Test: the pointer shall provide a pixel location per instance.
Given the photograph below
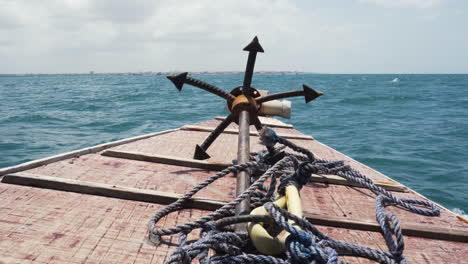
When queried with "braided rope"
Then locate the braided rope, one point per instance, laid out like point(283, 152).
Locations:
point(384, 198)
point(343, 248)
point(225, 210)
point(156, 233)
point(304, 245)
point(247, 258)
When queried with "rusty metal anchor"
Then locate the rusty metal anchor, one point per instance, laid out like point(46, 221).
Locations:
point(241, 99)
point(244, 103)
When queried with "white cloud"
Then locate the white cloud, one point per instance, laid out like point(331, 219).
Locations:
point(404, 3)
point(194, 35)
point(152, 32)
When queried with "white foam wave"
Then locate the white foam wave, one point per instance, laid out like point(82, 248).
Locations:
point(395, 80)
point(460, 212)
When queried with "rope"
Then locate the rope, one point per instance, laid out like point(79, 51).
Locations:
point(155, 234)
point(305, 243)
point(225, 210)
point(383, 199)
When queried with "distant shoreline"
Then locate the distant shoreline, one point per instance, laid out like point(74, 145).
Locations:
point(151, 73)
point(157, 73)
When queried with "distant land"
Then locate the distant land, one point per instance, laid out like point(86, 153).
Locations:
point(155, 73)
point(147, 73)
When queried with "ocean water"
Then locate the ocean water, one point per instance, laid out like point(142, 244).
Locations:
point(413, 128)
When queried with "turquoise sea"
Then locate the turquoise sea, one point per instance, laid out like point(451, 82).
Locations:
point(413, 128)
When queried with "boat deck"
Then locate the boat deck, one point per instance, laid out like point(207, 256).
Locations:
point(93, 205)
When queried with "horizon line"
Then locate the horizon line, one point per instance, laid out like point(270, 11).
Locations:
point(223, 72)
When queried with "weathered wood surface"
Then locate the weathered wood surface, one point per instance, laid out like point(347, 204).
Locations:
point(340, 201)
point(328, 179)
point(233, 126)
point(333, 179)
point(192, 163)
point(76, 153)
point(236, 131)
point(107, 190)
point(138, 174)
point(135, 194)
point(416, 230)
point(267, 121)
point(46, 226)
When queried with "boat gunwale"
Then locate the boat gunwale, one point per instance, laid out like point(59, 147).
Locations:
point(76, 153)
point(100, 147)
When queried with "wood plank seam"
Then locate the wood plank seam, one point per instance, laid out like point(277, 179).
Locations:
point(266, 122)
point(337, 180)
point(107, 190)
point(234, 131)
point(408, 189)
point(136, 194)
point(170, 160)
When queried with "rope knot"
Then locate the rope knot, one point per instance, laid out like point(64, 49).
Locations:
point(183, 255)
point(304, 171)
point(268, 137)
point(154, 238)
point(208, 228)
point(300, 248)
point(302, 237)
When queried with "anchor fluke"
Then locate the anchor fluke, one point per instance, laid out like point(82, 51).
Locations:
point(254, 46)
point(200, 153)
point(178, 80)
point(310, 94)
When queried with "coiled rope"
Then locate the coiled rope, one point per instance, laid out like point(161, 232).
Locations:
point(304, 245)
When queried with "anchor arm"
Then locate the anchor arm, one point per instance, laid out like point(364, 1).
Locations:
point(258, 125)
point(200, 150)
point(180, 79)
point(308, 93)
point(253, 48)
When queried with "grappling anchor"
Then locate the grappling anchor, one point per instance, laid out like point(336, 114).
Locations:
point(241, 99)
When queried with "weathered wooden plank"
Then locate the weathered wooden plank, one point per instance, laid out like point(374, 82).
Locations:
point(201, 164)
point(271, 122)
point(107, 190)
point(235, 131)
point(333, 179)
point(419, 230)
point(136, 194)
point(76, 153)
point(329, 179)
point(326, 152)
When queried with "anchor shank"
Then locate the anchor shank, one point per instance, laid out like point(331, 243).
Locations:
point(243, 177)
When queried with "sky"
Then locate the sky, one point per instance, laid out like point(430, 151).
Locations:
point(328, 36)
